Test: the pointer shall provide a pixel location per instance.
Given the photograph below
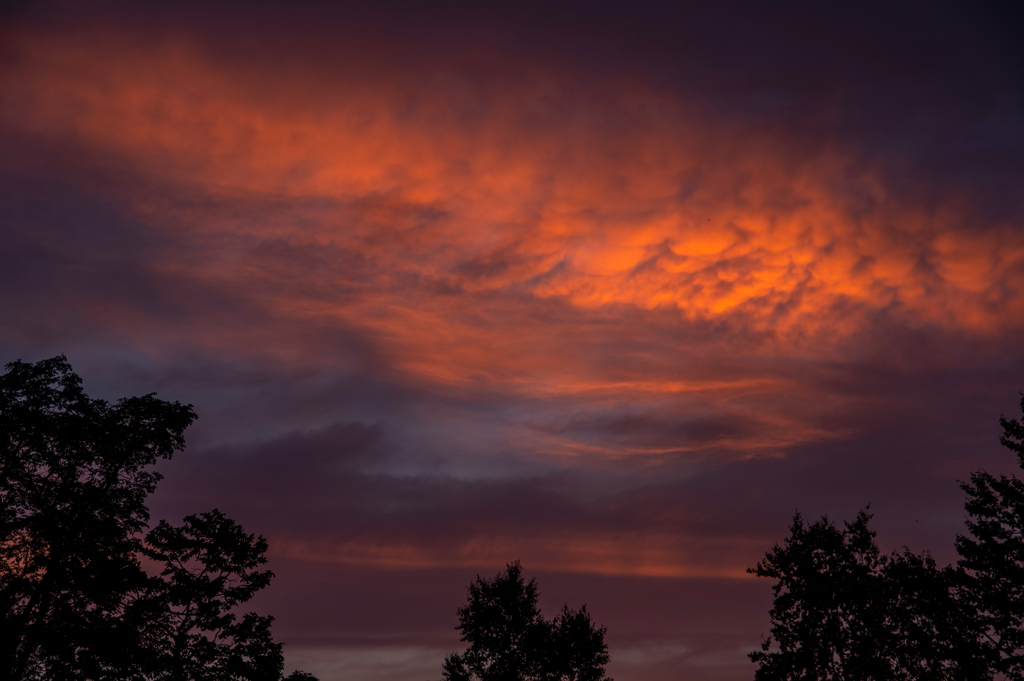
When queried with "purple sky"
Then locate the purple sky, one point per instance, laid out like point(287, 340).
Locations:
point(609, 289)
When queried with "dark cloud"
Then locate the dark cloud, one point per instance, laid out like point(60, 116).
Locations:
point(933, 91)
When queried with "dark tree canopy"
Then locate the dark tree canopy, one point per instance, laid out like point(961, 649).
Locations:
point(210, 566)
point(75, 601)
point(74, 478)
point(511, 641)
point(826, 606)
point(844, 611)
point(992, 555)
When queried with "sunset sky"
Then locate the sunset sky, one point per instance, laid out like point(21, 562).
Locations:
point(609, 288)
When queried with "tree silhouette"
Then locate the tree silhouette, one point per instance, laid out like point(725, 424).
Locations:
point(73, 484)
point(511, 641)
point(826, 612)
point(75, 601)
point(992, 555)
point(210, 566)
point(842, 610)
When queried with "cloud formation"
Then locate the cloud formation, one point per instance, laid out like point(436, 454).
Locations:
point(532, 191)
point(614, 303)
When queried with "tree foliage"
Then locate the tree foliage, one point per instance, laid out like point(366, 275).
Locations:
point(992, 556)
point(843, 610)
point(511, 641)
point(210, 566)
point(826, 602)
point(75, 600)
point(74, 478)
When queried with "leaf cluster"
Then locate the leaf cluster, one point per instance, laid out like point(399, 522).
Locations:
point(843, 610)
point(75, 599)
point(992, 555)
point(511, 641)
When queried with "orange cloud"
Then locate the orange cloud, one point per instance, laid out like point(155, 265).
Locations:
point(513, 239)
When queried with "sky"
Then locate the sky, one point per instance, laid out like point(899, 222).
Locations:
point(613, 289)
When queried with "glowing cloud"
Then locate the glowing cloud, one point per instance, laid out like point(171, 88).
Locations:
point(486, 242)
